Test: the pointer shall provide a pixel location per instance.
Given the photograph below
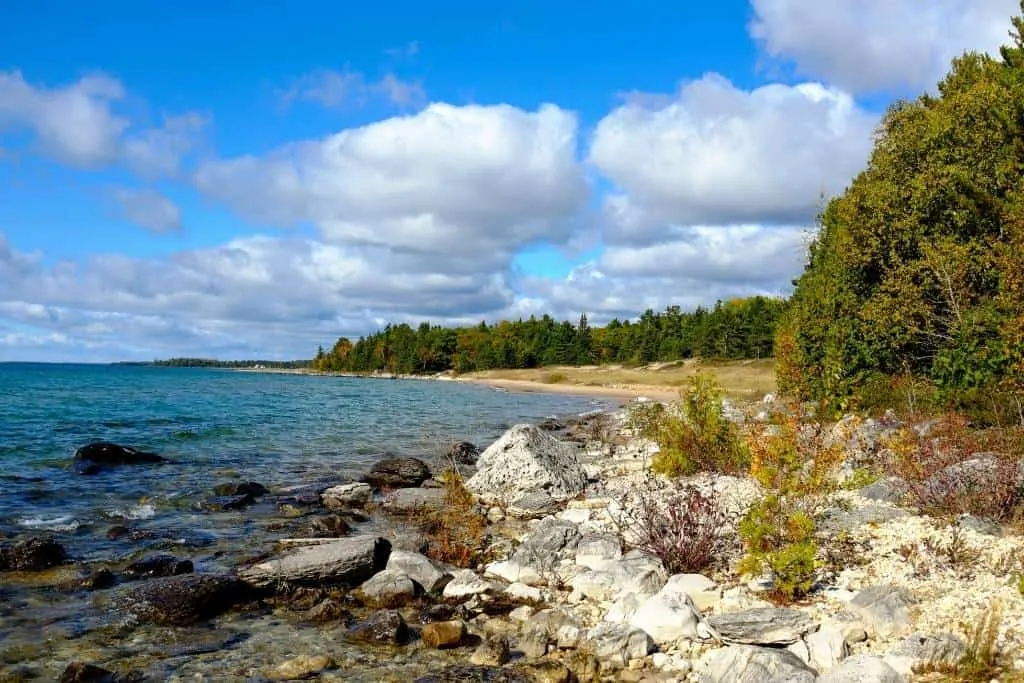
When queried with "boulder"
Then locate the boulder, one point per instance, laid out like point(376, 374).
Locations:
point(464, 584)
point(397, 473)
point(248, 488)
point(386, 627)
point(617, 644)
point(412, 501)
point(550, 542)
point(389, 588)
point(668, 615)
point(96, 457)
point(826, 647)
point(527, 459)
point(462, 453)
point(347, 561)
point(227, 503)
point(99, 580)
point(885, 610)
point(704, 592)
point(156, 566)
point(31, 555)
point(750, 664)
point(533, 505)
point(861, 669)
point(431, 576)
point(476, 674)
point(763, 626)
point(182, 600)
point(347, 496)
point(443, 634)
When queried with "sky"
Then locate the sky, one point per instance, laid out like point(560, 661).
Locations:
point(246, 180)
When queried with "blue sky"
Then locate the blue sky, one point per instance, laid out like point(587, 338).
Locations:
point(255, 179)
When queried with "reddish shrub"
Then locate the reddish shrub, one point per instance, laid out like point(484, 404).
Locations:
point(682, 528)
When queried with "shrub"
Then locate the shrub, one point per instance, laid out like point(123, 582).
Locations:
point(693, 435)
point(456, 533)
point(778, 537)
point(682, 528)
point(793, 458)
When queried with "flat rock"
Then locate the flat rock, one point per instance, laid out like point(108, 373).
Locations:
point(397, 473)
point(156, 566)
point(96, 457)
point(347, 496)
point(861, 669)
point(885, 610)
point(464, 584)
point(431, 576)
point(31, 555)
point(533, 505)
point(349, 561)
point(838, 520)
point(412, 501)
point(527, 459)
point(763, 626)
point(750, 664)
point(390, 588)
point(182, 600)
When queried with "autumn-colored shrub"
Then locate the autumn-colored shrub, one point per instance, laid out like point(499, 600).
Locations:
point(456, 533)
point(792, 457)
point(693, 435)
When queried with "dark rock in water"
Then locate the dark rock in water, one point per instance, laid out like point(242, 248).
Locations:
point(398, 473)
point(444, 612)
point(386, 627)
point(79, 672)
point(156, 566)
point(249, 488)
point(330, 610)
point(99, 580)
point(121, 531)
point(551, 425)
point(96, 457)
point(329, 526)
point(31, 555)
point(183, 600)
point(476, 674)
point(224, 503)
point(463, 453)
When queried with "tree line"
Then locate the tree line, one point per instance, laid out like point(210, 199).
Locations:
point(735, 329)
point(230, 364)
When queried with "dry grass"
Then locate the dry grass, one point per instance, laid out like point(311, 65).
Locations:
point(740, 379)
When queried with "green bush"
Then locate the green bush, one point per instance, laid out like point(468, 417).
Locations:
point(694, 434)
point(777, 534)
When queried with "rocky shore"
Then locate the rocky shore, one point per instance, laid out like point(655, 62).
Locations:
point(556, 590)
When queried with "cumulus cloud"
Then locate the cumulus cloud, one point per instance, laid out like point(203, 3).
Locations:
point(80, 124)
point(469, 183)
point(334, 88)
point(715, 154)
point(874, 45)
point(148, 208)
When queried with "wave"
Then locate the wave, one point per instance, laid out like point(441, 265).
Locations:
point(143, 511)
point(58, 523)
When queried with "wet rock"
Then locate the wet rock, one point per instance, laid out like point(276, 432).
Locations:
point(99, 580)
point(397, 473)
point(386, 627)
point(462, 453)
point(80, 672)
point(96, 457)
point(330, 610)
point(119, 531)
point(444, 612)
point(443, 634)
point(299, 667)
point(431, 576)
point(492, 652)
point(183, 600)
point(31, 555)
point(227, 503)
point(547, 671)
point(156, 566)
point(347, 496)
point(749, 664)
point(475, 674)
point(527, 459)
point(885, 610)
point(861, 669)
point(348, 561)
point(388, 588)
point(763, 626)
point(329, 526)
point(248, 488)
point(617, 644)
point(412, 501)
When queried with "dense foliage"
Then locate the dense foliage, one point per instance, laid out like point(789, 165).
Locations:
point(740, 328)
point(918, 268)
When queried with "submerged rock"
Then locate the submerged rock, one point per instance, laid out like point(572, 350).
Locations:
point(80, 672)
point(98, 580)
point(443, 634)
point(476, 674)
point(348, 561)
point(159, 565)
point(248, 488)
point(31, 555)
point(398, 473)
point(183, 600)
point(329, 526)
point(300, 667)
point(386, 627)
point(226, 503)
point(96, 457)
point(524, 460)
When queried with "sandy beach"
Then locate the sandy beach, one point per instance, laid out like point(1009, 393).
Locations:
point(624, 392)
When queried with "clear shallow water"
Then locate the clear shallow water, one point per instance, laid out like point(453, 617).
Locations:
point(216, 426)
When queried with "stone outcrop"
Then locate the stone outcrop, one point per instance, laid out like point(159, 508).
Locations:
point(347, 561)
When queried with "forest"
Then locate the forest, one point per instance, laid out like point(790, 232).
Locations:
point(739, 328)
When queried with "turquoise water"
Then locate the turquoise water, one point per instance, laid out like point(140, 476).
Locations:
point(218, 425)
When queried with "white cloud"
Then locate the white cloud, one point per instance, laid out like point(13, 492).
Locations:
point(715, 154)
point(874, 45)
point(467, 183)
point(148, 209)
point(80, 124)
point(333, 88)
